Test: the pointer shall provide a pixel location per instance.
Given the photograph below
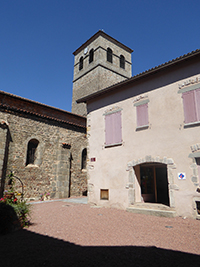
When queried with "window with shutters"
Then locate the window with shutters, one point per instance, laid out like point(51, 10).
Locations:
point(142, 114)
point(191, 106)
point(113, 129)
point(109, 55)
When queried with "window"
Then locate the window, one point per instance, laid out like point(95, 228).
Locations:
point(84, 159)
point(198, 167)
point(122, 62)
point(81, 63)
point(198, 207)
point(191, 105)
point(91, 55)
point(109, 55)
point(142, 113)
point(31, 151)
point(104, 194)
point(113, 129)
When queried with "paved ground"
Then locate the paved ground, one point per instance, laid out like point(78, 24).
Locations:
point(79, 200)
point(70, 233)
point(76, 200)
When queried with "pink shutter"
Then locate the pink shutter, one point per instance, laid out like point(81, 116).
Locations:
point(113, 128)
point(117, 132)
point(197, 94)
point(109, 129)
point(189, 106)
point(199, 173)
point(142, 115)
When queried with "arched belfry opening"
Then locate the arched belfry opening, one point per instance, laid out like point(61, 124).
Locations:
point(96, 67)
point(81, 63)
point(109, 55)
point(91, 55)
point(153, 182)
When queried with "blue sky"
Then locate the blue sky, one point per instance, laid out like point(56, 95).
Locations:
point(38, 37)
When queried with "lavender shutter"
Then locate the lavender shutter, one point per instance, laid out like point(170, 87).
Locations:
point(142, 115)
point(199, 173)
point(109, 129)
point(117, 132)
point(189, 106)
point(197, 94)
point(113, 128)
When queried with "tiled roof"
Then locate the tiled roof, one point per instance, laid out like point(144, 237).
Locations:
point(19, 104)
point(168, 63)
point(163, 66)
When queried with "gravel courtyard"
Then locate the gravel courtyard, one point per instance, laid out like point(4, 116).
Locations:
point(71, 234)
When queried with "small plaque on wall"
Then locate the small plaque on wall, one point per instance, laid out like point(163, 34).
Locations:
point(181, 176)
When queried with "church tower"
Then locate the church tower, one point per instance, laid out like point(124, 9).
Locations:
point(100, 62)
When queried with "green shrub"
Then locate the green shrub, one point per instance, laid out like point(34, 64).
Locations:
point(22, 210)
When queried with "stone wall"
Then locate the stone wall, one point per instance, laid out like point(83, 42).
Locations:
point(57, 165)
point(99, 73)
point(4, 143)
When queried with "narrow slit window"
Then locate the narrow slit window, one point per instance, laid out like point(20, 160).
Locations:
point(84, 159)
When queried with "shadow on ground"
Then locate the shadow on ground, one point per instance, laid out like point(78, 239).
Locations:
point(25, 248)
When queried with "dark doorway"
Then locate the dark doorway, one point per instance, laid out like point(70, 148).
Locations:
point(162, 186)
point(154, 183)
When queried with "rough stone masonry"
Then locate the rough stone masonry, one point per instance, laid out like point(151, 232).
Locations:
point(61, 137)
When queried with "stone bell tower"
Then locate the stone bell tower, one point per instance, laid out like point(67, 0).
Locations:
point(100, 62)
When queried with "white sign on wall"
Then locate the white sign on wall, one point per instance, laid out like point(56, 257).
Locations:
point(181, 176)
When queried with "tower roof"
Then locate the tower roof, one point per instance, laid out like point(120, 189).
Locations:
point(185, 59)
point(106, 36)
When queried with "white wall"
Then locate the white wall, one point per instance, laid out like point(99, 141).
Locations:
point(166, 138)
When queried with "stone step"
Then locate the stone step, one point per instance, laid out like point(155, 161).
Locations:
point(152, 209)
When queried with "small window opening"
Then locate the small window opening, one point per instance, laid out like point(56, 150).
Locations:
point(84, 159)
point(31, 151)
point(91, 55)
point(104, 194)
point(122, 62)
point(198, 206)
point(198, 167)
point(81, 63)
point(109, 55)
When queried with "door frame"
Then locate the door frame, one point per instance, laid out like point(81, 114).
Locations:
point(131, 186)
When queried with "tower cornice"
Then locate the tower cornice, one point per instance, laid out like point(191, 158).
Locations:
point(106, 36)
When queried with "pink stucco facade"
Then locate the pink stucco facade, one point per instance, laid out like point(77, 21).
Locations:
point(156, 160)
